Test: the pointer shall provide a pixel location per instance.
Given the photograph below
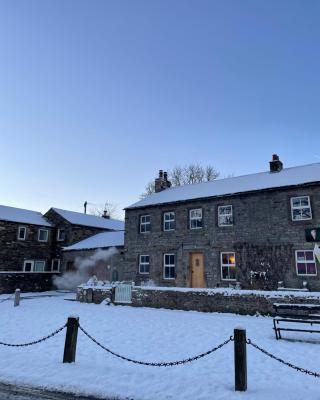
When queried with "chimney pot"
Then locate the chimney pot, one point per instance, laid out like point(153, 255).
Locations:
point(162, 182)
point(165, 176)
point(275, 157)
point(160, 173)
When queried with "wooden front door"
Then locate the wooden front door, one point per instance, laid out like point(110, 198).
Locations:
point(197, 270)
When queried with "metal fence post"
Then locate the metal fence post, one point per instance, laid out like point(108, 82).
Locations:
point(70, 345)
point(16, 298)
point(240, 359)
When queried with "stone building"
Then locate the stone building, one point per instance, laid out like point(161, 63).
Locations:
point(257, 229)
point(31, 244)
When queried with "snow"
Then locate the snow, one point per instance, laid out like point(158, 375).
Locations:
point(77, 218)
point(22, 216)
point(151, 335)
point(99, 241)
point(238, 292)
point(246, 183)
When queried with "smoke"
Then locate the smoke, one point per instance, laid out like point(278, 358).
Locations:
point(72, 279)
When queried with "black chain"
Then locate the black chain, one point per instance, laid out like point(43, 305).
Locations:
point(156, 364)
point(303, 370)
point(35, 341)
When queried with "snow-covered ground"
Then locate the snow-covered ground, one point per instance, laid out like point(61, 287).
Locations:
point(150, 335)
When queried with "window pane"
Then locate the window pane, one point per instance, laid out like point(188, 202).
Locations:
point(225, 272)
point(304, 201)
point(309, 255)
point(232, 273)
point(28, 266)
point(301, 268)
point(296, 202)
point(311, 268)
point(306, 213)
point(39, 266)
point(300, 256)
point(231, 258)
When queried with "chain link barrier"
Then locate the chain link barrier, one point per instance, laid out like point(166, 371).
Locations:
point(156, 364)
point(35, 341)
point(280, 360)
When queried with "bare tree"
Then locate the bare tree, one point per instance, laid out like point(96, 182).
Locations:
point(108, 208)
point(186, 175)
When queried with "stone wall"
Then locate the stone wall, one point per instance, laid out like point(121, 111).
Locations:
point(246, 302)
point(263, 237)
point(14, 252)
point(26, 282)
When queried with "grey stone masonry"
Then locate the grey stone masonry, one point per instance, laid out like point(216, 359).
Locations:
point(237, 302)
point(13, 252)
point(263, 237)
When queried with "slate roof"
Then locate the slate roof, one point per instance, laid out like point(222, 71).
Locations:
point(235, 185)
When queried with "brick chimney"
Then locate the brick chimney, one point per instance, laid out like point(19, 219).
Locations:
point(105, 214)
point(162, 183)
point(275, 165)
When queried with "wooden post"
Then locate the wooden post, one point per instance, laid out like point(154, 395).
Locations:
point(70, 345)
point(16, 298)
point(240, 360)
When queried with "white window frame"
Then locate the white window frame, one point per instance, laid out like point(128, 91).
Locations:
point(300, 208)
point(59, 263)
point(306, 262)
point(24, 265)
point(169, 221)
point(45, 230)
point(195, 218)
point(25, 232)
point(143, 223)
point(144, 264)
point(227, 265)
point(58, 235)
point(169, 266)
point(223, 215)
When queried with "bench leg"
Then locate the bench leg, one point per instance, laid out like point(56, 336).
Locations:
point(275, 329)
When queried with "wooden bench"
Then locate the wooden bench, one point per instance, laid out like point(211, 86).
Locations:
point(295, 313)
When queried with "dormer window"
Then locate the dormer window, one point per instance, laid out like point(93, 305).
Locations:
point(301, 208)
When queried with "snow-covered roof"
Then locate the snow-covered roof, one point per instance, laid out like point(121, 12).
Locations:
point(22, 216)
point(77, 218)
point(101, 240)
point(240, 184)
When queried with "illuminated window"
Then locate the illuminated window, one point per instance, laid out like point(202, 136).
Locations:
point(228, 266)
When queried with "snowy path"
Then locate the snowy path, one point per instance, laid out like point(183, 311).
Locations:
point(150, 335)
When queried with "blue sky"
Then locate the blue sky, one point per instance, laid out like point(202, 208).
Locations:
point(97, 96)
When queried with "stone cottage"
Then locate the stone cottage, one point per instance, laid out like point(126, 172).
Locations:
point(253, 230)
point(31, 244)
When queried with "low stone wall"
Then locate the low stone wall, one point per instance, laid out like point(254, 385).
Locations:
point(26, 282)
point(246, 302)
point(88, 294)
